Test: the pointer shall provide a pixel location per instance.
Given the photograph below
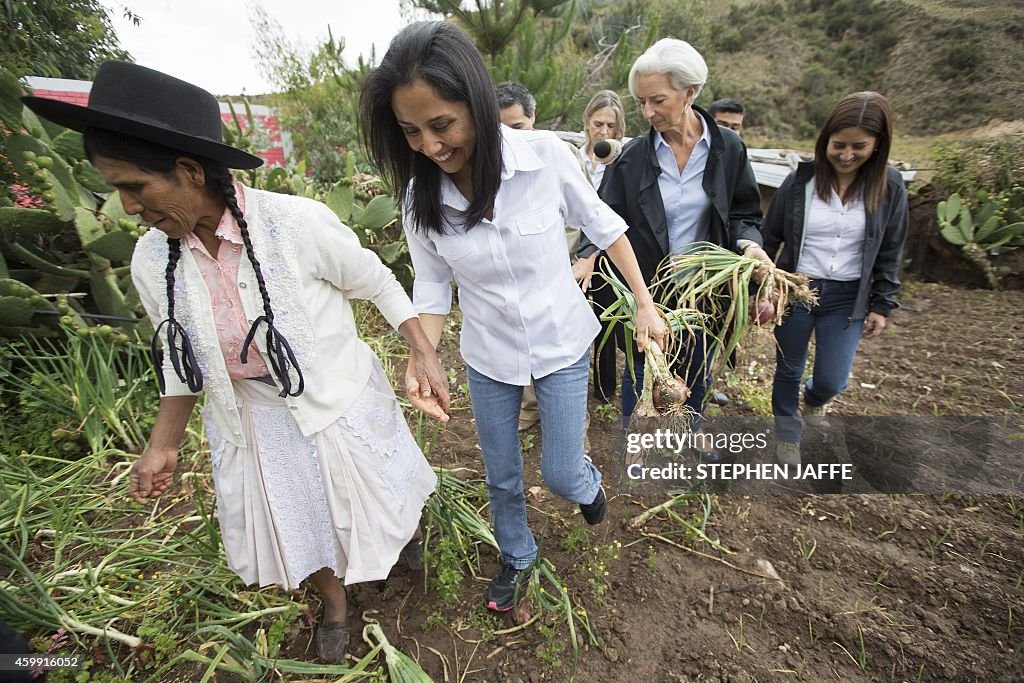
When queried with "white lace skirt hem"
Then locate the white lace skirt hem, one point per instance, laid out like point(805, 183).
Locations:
point(348, 497)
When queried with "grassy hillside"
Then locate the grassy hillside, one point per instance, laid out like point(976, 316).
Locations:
point(944, 64)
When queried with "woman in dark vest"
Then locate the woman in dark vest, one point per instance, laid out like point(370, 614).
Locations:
point(687, 180)
point(842, 221)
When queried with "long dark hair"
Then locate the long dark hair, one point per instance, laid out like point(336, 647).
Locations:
point(443, 56)
point(870, 111)
point(157, 158)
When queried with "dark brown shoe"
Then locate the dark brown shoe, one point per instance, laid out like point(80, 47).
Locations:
point(331, 640)
point(413, 552)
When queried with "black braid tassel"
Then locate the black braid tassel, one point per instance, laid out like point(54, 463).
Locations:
point(184, 360)
point(280, 354)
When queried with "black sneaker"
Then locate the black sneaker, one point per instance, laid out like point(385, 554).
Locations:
point(594, 512)
point(501, 594)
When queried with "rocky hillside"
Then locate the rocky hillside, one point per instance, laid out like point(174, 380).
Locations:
point(944, 64)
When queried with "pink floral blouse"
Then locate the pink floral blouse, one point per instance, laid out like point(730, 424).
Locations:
point(221, 277)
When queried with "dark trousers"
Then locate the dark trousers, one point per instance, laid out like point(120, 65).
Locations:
point(603, 362)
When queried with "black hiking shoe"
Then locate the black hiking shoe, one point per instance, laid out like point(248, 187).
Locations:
point(502, 592)
point(594, 512)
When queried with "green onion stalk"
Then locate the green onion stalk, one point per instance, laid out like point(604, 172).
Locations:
point(663, 392)
point(708, 290)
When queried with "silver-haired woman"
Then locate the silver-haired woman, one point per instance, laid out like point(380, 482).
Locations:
point(686, 180)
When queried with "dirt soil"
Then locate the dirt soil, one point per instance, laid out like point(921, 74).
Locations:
point(869, 587)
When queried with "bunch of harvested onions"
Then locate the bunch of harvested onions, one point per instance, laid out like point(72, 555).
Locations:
point(664, 393)
point(622, 312)
point(705, 293)
point(720, 282)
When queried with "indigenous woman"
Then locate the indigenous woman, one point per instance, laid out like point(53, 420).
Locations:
point(316, 473)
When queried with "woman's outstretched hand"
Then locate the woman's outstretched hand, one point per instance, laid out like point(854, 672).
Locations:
point(427, 384)
point(153, 473)
point(873, 325)
point(766, 267)
point(583, 271)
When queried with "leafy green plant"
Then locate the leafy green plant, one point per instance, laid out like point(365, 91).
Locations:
point(606, 411)
point(59, 38)
point(996, 164)
point(444, 570)
point(996, 224)
point(652, 560)
point(359, 202)
point(550, 652)
point(576, 540)
point(597, 568)
point(434, 620)
point(485, 621)
point(93, 387)
point(527, 441)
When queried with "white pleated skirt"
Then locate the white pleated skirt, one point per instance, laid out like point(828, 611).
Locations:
point(348, 497)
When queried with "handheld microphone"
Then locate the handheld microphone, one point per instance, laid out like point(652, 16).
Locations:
point(607, 151)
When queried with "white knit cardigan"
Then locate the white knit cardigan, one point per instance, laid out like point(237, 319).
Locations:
point(313, 265)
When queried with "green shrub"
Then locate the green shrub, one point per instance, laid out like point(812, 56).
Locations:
point(994, 164)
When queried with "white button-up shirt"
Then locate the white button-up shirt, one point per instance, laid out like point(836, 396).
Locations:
point(833, 243)
point(523, 314)
point(596, 169)
point(686, 203)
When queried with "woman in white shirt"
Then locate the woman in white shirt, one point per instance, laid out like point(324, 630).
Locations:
point(486, 205)
point(603, 119)
point(842, 221)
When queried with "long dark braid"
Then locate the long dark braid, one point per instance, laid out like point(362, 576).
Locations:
point(279, 352)
point(183, 359)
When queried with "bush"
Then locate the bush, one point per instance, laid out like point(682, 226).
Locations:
point(995, 164)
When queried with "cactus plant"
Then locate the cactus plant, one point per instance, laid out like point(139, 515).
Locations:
point(997, 224)
point(76, 236)
point(360, 202)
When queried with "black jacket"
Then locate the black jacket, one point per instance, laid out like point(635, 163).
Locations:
point(631, 188)
point(885, 231)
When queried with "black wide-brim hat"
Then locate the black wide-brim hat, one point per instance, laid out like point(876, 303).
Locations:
point(144, 103)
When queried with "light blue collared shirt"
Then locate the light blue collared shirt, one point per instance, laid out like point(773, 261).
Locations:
point(686, 203)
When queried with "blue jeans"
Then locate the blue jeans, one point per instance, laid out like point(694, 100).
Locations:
point(836, 337)
point(562, 401)
point(692, 366)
